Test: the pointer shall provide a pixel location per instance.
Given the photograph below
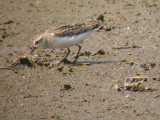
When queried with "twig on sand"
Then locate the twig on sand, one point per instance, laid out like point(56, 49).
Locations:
point(156, 96)
point(9, 68)
point(127, 47)
point(80, 64)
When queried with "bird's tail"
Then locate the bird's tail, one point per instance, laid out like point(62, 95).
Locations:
point(98, 22)
point(100, 18)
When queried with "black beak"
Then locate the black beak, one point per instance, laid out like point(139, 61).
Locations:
point(33, 49)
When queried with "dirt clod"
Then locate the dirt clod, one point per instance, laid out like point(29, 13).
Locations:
point(145, 66)
point(85, 53)
point(152, 65)
point(67, 87)
point(134, 84)
point(9, 22)
point(99, 52)
point(22, 60)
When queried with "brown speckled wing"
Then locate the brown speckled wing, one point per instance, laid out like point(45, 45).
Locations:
point(71, 30)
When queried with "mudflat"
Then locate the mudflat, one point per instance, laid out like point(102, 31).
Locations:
point(96, 88)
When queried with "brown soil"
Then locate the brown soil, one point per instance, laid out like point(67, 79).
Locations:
point(127, 47)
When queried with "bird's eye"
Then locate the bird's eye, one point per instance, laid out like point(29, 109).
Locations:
point(36, 42)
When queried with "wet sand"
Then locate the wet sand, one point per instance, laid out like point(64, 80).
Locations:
point(130, 46)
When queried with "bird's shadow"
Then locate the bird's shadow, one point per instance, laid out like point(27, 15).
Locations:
point(96, 62)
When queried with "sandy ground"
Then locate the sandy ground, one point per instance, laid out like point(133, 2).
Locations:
point(80, 92)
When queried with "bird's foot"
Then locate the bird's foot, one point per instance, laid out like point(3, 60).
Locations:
point(66, 61)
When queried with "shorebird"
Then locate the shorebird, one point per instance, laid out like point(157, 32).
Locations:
point(66, 36)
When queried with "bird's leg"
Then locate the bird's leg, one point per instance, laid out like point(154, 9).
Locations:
point(65, 59)
point(77, 56)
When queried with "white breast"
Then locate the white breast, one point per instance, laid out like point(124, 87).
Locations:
point(63, 42)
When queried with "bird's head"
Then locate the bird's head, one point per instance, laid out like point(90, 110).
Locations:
point(38, 43)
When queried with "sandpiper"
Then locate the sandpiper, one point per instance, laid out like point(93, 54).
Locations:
point(66, 36)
